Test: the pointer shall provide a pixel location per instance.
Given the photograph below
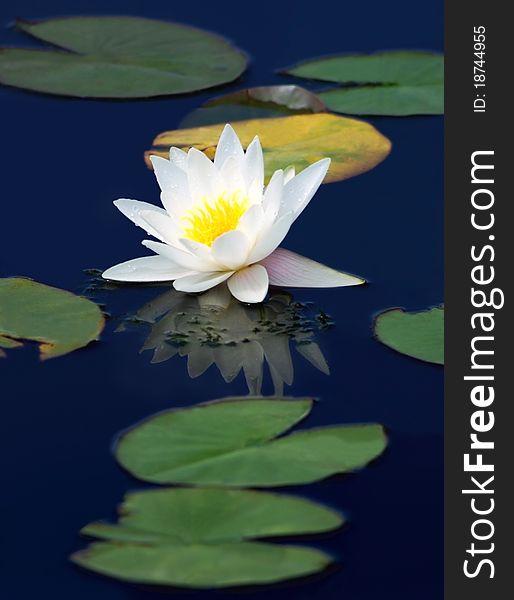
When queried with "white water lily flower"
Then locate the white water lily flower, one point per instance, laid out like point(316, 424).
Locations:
point(219, 224)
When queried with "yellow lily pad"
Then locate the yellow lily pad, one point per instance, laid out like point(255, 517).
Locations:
point(60, 321)
point(354, 146)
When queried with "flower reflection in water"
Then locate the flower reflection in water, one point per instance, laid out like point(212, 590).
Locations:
point(214, 328)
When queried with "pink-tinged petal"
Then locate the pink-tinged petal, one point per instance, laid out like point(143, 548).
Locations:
point(273, 195)
point(251, 222)
point(271, 239)
point(300, 189)
point(180, 257)
point(230, 250)
point(199, 282)
point(161, 222)
point(253, 170)
point(147, 268)
point(250, 284)
point(178, 158)
point(228, 145)
point(287, 269)
point(203, 177)
point(132, 209)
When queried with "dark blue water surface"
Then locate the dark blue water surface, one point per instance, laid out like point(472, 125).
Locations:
point(65, 160)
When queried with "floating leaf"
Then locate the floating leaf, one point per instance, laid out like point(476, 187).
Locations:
point(353, 146)
point(201, 565)
point(59, 320)
point(394, 100)
point(255, 103)
point(408, 82)
point(207, 515)
point(233, 443)
point(119, 57)
point(418, 334)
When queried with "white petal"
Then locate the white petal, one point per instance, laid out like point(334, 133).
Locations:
point(161, 222)
point(231, 173)
point(273, 195)
point(147, 268)
point(228, 145)
point(175, 203)
point(196, 248)
point(173, 182)
point(254, 170)
point(251, 222)
point(199, 282)
point(271, 239)
point(165, 172)
point(180, 257)
point(250, 284)
point(289, 173)
point(132, 210)
point(203, 177)
point(178, 157)
point(299, 190)
point(287, 269)
point(230, 249)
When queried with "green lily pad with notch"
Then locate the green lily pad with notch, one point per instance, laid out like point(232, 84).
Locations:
point(255, 103)
point(210, 515)
point(119, 57)
point(201, 565)
point(234, 443)
point(60, 321)
point(416, 334)
point(398, 83)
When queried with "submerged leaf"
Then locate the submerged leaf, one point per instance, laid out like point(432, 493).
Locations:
point(201, 515)
point(119, 57)
point(59, 320)
point(233, 443)
point(353, 146)
point(389, 83)
point(255, 103)
point(418, 334)
point(201, 565)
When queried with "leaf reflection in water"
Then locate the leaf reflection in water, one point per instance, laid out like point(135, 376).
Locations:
point(214, 328)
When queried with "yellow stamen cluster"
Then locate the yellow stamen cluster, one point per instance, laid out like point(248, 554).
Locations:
point(204, 223)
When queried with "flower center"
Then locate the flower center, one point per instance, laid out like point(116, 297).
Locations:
point(209, 220)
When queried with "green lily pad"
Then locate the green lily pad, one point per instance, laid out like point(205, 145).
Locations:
point(119, 57)
point(198, 515)
point(234, 443)
point(201, 565)
point(196, 537)
point(353, 146)
point(393, 100)
point(387, 83)
point(60, 321)
point(417, 334)
point(255, 103)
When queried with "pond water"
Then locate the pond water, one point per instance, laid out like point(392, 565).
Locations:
point(64, 162)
